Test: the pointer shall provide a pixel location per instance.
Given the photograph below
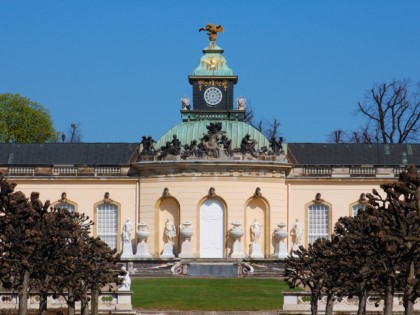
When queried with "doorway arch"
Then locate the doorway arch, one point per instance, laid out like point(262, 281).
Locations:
point(212, 229)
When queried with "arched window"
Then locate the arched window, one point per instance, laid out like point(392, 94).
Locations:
point(107, 223)
point(356, 207)
point(66, 205)
point(318, 221)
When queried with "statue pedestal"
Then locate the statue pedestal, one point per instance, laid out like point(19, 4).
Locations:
point(237, 250)
point(295, 247)
point(280, 250)
point(127, 251)
point(186, 250)
point(142, 250)
point(168, 251)
point(255, 251)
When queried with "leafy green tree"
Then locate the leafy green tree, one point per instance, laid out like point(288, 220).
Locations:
point(24, 121)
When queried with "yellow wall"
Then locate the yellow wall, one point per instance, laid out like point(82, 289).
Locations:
point(190, 192)
point(86, 193)
point(141, 199)
point(341, 194)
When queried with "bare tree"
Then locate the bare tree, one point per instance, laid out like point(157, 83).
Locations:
point(268, 128)
point(392, 111)
point(273, 129)
point(50, 250)
point(74, 134)
point(302, 269)
point(377, 250)
point(362, 135)
point(20, 238)
point(249, 114)
point(337, 136)
point(402, 235)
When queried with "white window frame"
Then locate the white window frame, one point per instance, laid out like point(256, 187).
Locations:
point(107, 223)
point(318, 222)
point(66, 205)
point(356, 207)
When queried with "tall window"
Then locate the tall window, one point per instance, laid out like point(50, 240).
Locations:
point(356, 208)
point(107, 223)
point(318, 222)
point(66, 205)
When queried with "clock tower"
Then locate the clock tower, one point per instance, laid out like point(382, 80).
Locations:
point(212, 84)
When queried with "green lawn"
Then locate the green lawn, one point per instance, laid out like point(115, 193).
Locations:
point(226, 294)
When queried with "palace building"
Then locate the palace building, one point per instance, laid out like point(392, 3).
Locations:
point(212, 186)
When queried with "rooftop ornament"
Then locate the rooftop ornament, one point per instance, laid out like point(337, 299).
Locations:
point(212, 31)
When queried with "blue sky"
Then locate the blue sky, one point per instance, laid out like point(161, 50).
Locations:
point(119, 68)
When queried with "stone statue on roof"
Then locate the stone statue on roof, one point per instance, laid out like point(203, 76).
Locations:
point(212, 30)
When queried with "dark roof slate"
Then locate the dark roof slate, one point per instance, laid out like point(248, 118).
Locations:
point(126, 153)
point(353, 154)
point(67, 153)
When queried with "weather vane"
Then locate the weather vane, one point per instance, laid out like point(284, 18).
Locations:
point(212, 31)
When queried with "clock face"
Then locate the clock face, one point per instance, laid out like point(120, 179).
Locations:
point(212, 96)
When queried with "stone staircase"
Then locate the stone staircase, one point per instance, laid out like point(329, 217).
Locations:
point(200, 267)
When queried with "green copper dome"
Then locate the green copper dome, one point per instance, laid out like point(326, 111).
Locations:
point(234, 130)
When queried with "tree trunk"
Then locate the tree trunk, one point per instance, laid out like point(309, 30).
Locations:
point(330, 303)
point(84, 305)
point(23, 294)
point(408, 307)
point(43, 303)
point(71, 303)
point(389, 296)
point(362, 302)
point(94, 303)
point(409, 291)
point(314, 304)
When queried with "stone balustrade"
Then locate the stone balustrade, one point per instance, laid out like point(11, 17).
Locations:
point(300, 302)
point(118, 302)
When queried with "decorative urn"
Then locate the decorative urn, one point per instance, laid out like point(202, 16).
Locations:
point(142, 232)
point(186, 230)
point(279, 233)
point(236, 231)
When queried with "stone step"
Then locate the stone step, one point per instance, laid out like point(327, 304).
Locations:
point(212, 269)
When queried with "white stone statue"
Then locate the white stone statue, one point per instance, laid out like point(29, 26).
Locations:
point(185, 102)
point(170, 231)
point(125, 280)
point(126, 231)
point(255, 231)
point(298, 234)
point(127, 249)
point(241, 103)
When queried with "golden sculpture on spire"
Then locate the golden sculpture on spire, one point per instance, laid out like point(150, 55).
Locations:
point(212, 31)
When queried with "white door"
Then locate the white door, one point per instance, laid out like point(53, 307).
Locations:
point(212, 229)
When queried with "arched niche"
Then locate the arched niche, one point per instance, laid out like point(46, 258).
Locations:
point(257, 208)
point(167, 209)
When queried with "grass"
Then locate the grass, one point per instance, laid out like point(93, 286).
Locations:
point(208, 294)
